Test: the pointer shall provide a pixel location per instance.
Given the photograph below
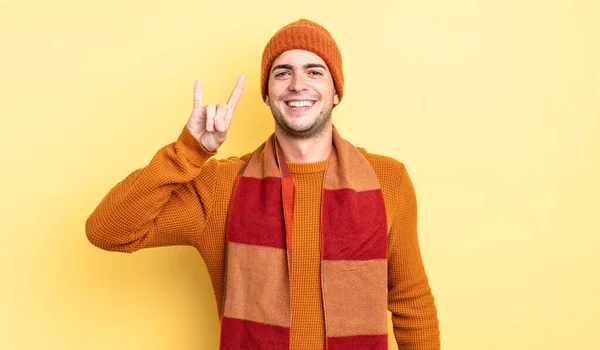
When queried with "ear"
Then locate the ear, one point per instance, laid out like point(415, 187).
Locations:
point(336, 99)
point(267, 101)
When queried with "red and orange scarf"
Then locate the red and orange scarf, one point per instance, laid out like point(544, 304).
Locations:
point(257, 307)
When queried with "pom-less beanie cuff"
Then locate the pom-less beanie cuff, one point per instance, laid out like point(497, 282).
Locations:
point(304, 35)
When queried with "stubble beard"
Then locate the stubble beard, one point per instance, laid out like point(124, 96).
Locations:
point(303, 132)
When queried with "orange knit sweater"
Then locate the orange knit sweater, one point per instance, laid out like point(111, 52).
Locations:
point(182, 197)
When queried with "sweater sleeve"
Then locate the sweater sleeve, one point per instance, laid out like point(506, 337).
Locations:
point(414, 314)
point(160, 204)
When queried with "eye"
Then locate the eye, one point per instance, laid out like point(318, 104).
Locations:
point(281, 74)
point(315, 72)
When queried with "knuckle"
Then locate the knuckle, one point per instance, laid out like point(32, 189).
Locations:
point(222, 108)
point(210, 110)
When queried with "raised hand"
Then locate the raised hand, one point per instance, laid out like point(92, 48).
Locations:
point(209, 124)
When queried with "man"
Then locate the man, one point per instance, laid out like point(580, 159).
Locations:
point(308, 240)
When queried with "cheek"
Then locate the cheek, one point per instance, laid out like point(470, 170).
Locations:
point(274, 92)
point(325, 89)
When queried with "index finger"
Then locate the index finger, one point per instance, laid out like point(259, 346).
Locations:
point(198, 94)
point(237, 92)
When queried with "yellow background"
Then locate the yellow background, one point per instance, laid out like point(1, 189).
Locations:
point(492, 105)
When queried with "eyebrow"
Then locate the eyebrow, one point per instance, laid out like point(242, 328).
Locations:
point(306, 66)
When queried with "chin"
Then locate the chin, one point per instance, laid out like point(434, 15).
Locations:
point(302, 127)
point(302, 132)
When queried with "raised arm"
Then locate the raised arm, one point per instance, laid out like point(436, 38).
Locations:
point(167, 202)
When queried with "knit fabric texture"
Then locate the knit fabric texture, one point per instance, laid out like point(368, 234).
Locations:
point(257, 309)
point(182, 198)
point(304, 35)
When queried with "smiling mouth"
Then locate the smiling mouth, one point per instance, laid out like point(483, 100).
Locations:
point(300, 104)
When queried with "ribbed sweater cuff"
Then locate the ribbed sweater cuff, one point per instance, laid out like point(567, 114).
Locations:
point(191, 148)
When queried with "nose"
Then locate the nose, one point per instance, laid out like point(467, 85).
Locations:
point(297, 83)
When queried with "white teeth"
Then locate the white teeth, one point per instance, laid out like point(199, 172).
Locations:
point(300, 103)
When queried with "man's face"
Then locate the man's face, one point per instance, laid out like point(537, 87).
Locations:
point(301, 94)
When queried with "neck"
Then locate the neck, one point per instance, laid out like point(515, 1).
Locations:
point(310, 150)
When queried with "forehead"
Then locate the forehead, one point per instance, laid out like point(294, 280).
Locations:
point(298, 58)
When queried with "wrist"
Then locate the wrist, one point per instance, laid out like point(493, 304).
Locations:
point(192, 149)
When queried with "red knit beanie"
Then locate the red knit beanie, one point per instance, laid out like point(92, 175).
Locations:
point(304, 35)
